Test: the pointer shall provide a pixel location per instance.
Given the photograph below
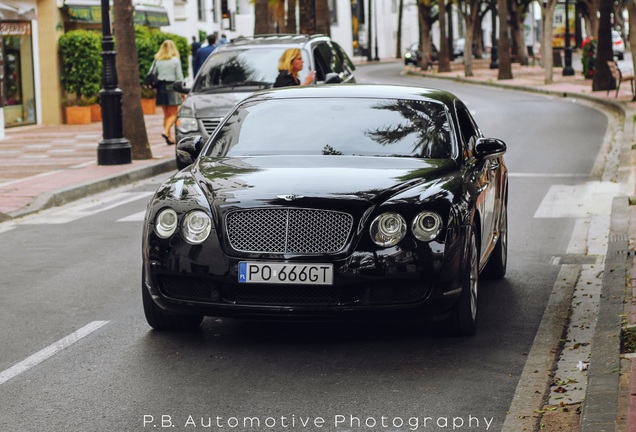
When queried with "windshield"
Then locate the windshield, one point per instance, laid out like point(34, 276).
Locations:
point(257, 66)
point(335, 126)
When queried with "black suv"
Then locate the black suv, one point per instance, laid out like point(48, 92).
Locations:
point(247, 64)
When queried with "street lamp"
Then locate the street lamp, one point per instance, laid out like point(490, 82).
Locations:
point(113, 149)
point(494, 63)
point(567, 70)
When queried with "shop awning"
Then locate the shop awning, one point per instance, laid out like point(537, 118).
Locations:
point(13, 10)
point(151, 16)
point(90, 11)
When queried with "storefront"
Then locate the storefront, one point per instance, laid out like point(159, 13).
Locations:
point(16, 62)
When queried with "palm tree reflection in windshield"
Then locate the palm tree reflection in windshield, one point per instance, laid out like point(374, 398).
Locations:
point(425, 123)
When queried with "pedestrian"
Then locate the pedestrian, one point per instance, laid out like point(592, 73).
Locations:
point(168, 68)
point(194, 46)
point(203, 53)
point(223, 39)
point(289, 64)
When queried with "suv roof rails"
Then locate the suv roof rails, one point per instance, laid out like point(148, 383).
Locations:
point(290, 36)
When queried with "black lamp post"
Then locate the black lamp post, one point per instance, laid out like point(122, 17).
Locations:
point(113, 149)
point(494, 63)
point(567, 70)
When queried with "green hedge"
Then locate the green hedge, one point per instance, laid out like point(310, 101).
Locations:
point(80, 52)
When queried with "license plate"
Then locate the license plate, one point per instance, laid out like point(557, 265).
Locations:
point(278, 273)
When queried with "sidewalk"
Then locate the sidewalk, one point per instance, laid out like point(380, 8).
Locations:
point(42, 166)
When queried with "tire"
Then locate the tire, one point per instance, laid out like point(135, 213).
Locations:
point(463, 319)
point(498, 261)
point(161, 320)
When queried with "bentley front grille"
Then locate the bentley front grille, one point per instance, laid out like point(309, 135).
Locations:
point(283, 230)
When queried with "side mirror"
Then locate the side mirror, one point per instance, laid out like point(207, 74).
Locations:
point(332, 78)
point(489, 147)
point(188, 150)
point(180, 87)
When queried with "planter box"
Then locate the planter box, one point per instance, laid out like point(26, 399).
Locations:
point(77, 114)
point(149, 106)
point(96, 113)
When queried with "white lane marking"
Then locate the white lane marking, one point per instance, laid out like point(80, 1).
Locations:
point(578, 201)
point(83, 208)
point(49, 351)
point(137, 217)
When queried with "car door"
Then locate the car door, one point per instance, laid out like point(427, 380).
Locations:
point(485, 179)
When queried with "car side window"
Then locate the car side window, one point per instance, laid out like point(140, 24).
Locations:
point(468, 129)
point(324, 60)
point(347, 64)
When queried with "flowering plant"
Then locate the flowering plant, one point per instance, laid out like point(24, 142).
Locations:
point(588, 58)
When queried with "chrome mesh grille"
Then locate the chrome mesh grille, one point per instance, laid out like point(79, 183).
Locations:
point(288, 230)
point(210, 124)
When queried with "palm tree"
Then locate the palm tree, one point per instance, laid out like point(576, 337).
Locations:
point(128, 73)
point(323, 17)
point(261, 15)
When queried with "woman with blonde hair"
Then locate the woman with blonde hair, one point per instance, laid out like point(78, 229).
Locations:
point(289, 64)
point(167, 66)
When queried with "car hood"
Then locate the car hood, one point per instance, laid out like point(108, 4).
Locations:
point(320, 181)
point(206, 105)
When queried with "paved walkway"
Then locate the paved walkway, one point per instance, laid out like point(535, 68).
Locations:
point(44, 166)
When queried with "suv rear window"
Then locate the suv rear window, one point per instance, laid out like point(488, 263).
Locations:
point(228, 68)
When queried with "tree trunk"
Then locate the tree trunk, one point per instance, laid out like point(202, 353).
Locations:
point(398, 45)
point(128, 72)
point(470, 12)
point(444, 57)
point(547, 14)
point(323, 18)
point(602, 75)
point(505, 67)
point(261, 17)
point(426, 46)
point(291, 17)
point(517, 12)
point(307, 17)
point(631, 9)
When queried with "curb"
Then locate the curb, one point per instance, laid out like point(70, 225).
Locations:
point(63, 196)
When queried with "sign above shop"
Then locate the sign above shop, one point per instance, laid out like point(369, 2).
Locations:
point(90, 11)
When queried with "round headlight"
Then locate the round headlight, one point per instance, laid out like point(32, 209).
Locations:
point(196, 226)
point(426, 226)
point(388, 229)
point(166, 223)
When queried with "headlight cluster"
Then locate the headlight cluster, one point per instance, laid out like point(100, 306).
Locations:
point(195, 228)
point(187, 124)
point(388, 229)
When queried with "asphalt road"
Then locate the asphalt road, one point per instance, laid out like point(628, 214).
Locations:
point(77, 354)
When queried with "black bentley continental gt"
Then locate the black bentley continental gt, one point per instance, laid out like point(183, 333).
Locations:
point(330, 202)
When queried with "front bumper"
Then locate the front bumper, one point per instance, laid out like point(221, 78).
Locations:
point(423, 281)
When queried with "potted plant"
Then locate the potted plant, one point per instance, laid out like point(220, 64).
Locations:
point(81, 71)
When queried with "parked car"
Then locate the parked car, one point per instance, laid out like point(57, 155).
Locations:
point(413, 54)
point(247, 64)
point(458, 48)
point(618, 45)
point(330, 201)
